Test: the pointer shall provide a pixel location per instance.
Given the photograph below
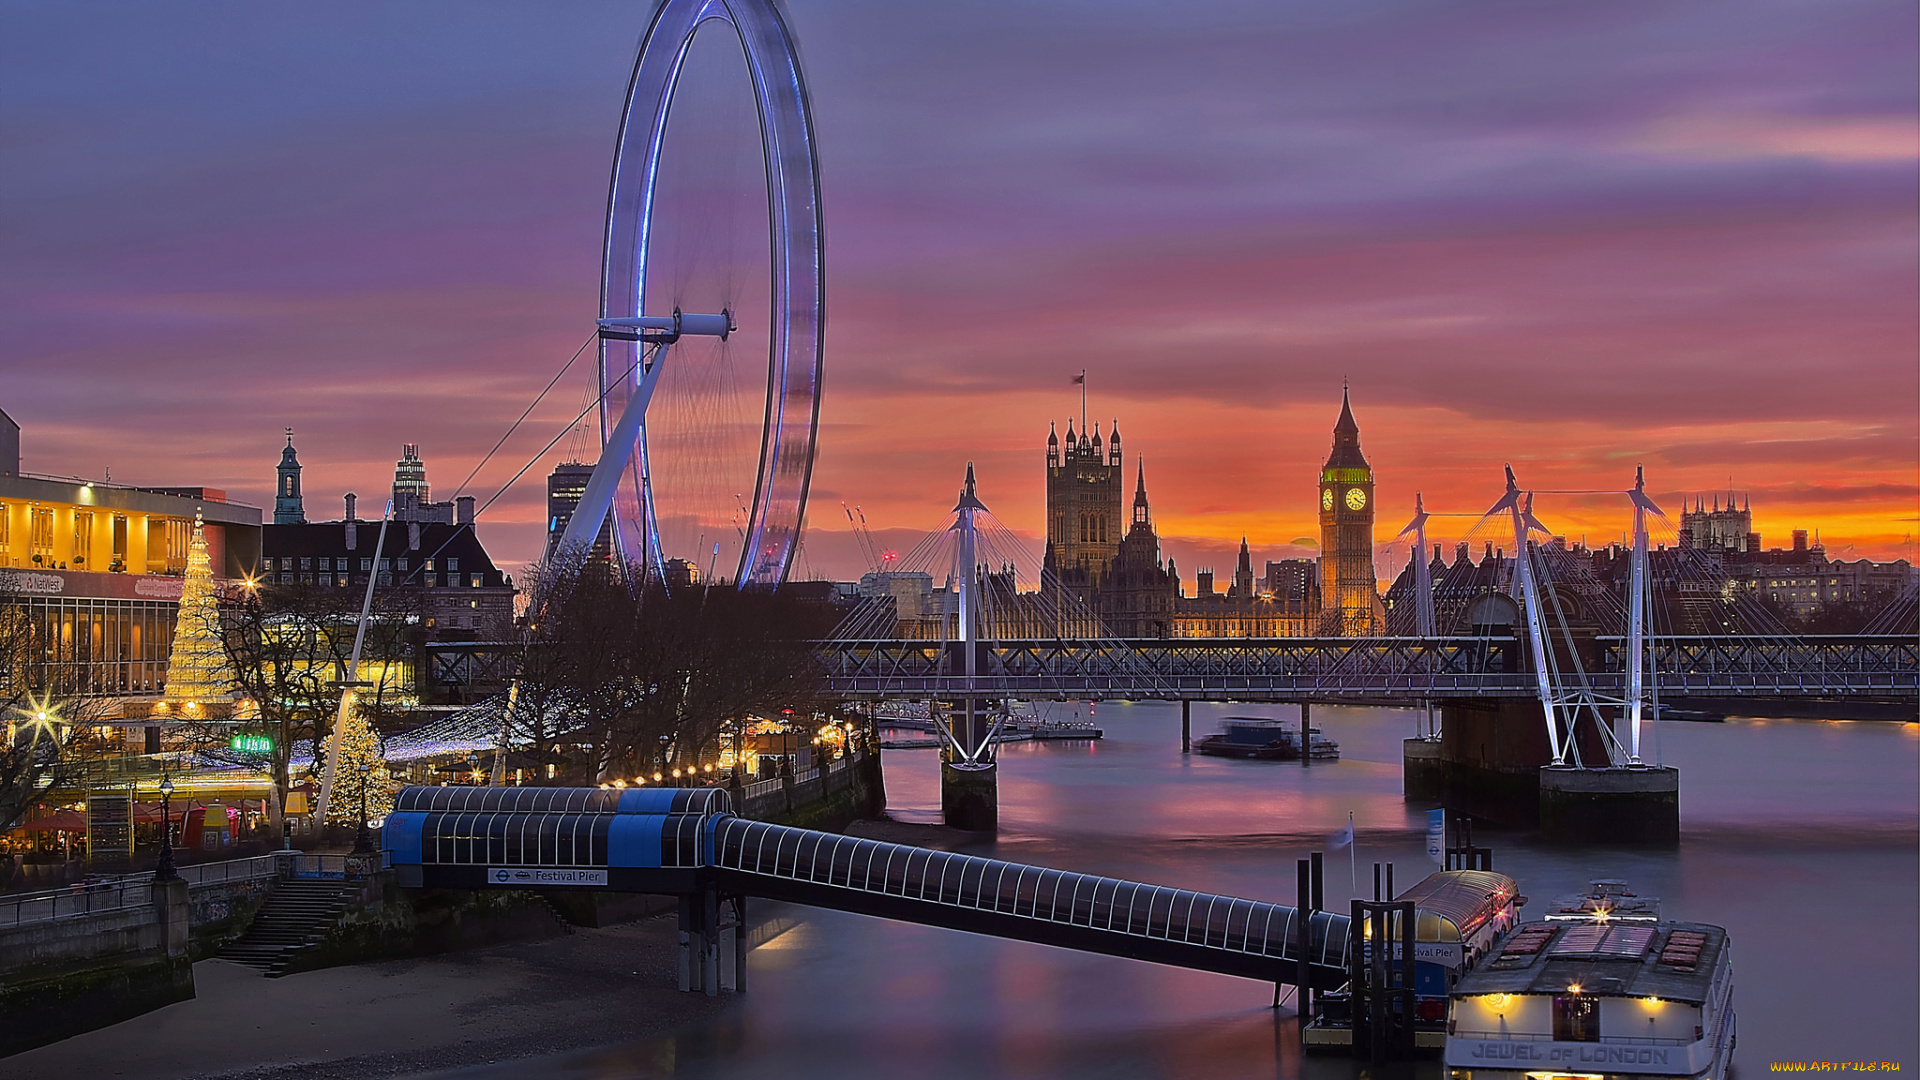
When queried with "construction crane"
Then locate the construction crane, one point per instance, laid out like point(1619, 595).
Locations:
point(877, 560)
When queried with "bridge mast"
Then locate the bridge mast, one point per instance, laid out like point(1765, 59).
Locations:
point(1524, 590)
point(1423, 622)
point(969, 793)
point(1637, 612)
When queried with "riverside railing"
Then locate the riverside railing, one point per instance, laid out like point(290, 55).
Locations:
point(103, 895)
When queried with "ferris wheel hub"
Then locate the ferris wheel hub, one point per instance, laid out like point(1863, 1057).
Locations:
point(668, 328)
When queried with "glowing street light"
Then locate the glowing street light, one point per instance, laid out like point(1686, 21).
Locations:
point(164, 870)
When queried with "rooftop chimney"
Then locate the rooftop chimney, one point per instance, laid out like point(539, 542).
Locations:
point(463, 510)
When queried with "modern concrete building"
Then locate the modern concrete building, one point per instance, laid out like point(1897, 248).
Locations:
point(98, 567)
point(566, 484)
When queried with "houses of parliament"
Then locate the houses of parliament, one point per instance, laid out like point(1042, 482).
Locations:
point(1112, 565)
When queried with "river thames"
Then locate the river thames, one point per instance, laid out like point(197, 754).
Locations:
point(1798, 836)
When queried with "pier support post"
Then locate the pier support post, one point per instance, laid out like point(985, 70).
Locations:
point(1186, 726)
point(710, 941)
point(740, 944)
point(686, 943)
point(1302, 942)
point(1306, 733)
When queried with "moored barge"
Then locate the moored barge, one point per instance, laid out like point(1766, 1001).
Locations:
point(1587, 995)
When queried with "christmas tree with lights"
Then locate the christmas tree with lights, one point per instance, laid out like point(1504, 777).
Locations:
point(199, 680)
point(359, 769)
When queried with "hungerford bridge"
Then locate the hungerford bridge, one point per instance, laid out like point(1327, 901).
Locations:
point(1362, 670)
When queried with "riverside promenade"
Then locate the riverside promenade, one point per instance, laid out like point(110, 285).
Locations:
point(579, 988)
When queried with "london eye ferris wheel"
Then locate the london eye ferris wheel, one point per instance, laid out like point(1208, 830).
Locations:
point(712, 302)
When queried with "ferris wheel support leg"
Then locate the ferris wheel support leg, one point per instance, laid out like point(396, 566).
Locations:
point(597, 501)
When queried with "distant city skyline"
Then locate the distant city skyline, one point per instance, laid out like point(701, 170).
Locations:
point(1576, 241)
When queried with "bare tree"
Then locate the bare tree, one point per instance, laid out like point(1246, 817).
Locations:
point(288, 648)
point(635, 679)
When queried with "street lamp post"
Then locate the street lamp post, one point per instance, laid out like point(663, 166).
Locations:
point(164, 870)
point(363, 840)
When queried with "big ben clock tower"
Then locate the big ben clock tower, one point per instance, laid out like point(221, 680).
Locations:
point(1349, 594)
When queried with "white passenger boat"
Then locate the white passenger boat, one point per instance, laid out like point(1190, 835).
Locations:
point(1602, 989)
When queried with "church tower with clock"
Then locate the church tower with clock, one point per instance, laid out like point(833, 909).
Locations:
point(1349, 593)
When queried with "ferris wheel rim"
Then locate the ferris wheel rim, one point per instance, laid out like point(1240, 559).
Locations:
point(795, 364)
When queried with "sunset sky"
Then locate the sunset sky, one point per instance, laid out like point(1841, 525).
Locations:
point(1574, 237)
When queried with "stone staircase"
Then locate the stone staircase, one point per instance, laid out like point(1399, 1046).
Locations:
point(293, 918)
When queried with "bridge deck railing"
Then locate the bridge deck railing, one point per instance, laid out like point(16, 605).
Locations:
point(1333, 667)
point(969, 892)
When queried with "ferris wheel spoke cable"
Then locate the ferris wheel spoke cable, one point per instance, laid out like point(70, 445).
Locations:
point(515, 426)
point(542, 452)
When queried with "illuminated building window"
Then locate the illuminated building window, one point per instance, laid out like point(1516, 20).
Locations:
point(40, 535)
point(179, 533)
point(82, 539)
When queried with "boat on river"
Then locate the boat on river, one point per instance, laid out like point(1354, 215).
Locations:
point(1265, 740)
point(1601, 987)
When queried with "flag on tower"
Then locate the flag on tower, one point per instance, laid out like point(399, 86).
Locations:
point(1080, 379)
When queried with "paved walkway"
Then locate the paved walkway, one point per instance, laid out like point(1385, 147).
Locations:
point(397, 1018)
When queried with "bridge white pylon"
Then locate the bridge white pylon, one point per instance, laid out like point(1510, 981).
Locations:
point(1423, 621)
point(1562, 699)
point(971, 747)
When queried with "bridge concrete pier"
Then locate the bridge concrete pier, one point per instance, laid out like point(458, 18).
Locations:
point(1493, 762)
point(1423, 773)
point(1487, 763)
point(970, 796)
point(1635, 805)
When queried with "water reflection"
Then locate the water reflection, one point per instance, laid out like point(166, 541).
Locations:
point(1798, 836)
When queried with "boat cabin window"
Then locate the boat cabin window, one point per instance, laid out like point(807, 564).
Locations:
point(1576, 1018)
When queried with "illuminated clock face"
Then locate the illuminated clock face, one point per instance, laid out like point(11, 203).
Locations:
point(1356, 499)
point(1326, 498)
